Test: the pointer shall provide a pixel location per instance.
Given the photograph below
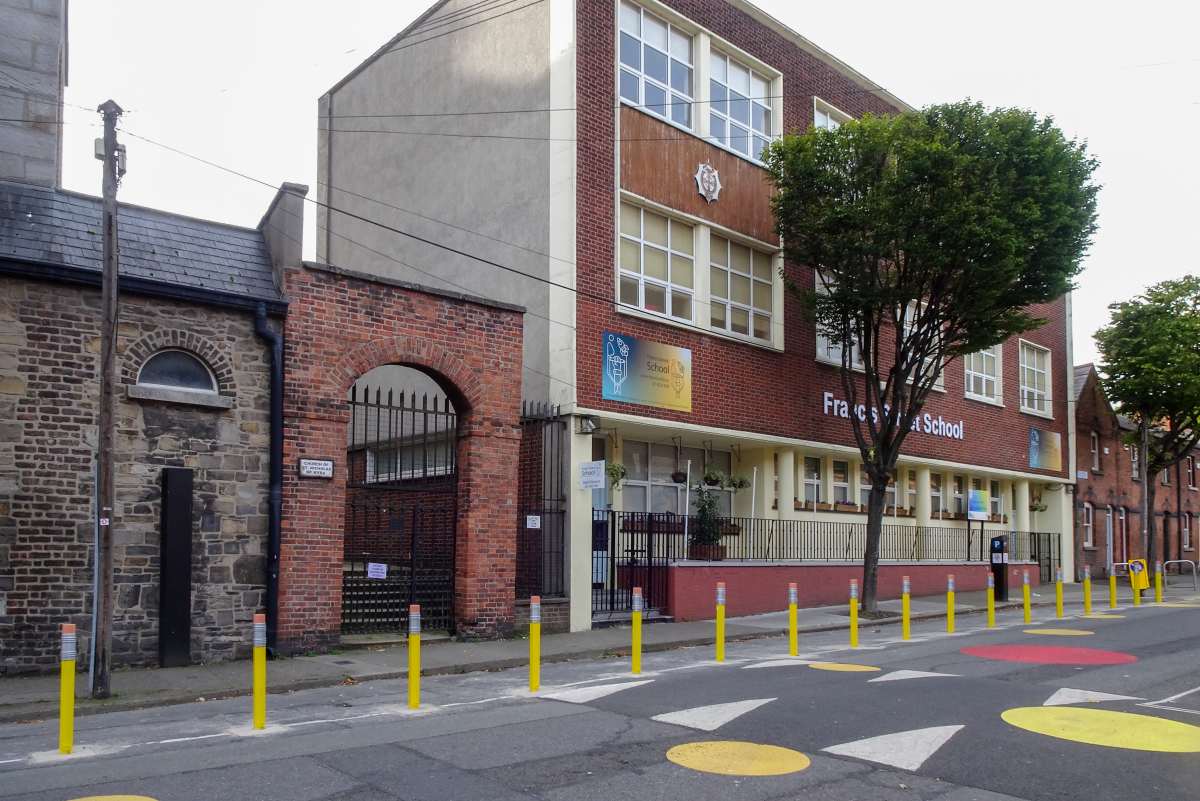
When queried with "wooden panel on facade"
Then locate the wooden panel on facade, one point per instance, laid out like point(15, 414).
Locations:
point(658, 162)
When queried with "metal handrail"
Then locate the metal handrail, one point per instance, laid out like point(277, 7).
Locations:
point(1120, 564)
point(1189, 563)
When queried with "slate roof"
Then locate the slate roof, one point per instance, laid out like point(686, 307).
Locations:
point(55, 227)
point(1081, 376)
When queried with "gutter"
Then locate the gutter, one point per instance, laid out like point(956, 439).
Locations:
point(273, 340)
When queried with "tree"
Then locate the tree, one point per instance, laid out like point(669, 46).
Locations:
point(932, 234)
point(1150, 363)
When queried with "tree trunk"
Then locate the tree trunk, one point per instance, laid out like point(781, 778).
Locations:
point(871, 553)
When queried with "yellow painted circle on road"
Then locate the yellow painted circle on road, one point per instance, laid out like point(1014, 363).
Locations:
point(736, 758)
point(115, 798)
point(843, 667)
point(1107, 728)
point(1060, 632)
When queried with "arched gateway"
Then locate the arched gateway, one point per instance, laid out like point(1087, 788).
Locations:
point(413, 395)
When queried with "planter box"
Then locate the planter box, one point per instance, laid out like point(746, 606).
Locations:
point(700, 552)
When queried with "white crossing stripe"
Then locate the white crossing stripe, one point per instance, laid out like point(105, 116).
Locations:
point(711, 718)
point(777, 663)
point(583, 695)
point(1068, 696)
point(906, 750)
point(901, 675)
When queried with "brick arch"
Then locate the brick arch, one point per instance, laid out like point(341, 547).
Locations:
point(459, 381)
point(199, 346)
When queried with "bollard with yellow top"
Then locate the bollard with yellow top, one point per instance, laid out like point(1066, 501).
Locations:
point(66, 690)
point(1087, 590)
point(639, 605)
point(905, 609)
point(991, 601)
point(720, 621)
point(414, 656)
point(853, 613)
point(793, 633)
point(950, 603)
point(1112, 589)
point(260, 671)
point(1058, 592)
point(535, 643)
point(1025, 596)
point(1158, 582)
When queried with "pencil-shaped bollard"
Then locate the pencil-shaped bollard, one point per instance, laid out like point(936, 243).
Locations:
point(1158, 582)
point(638, 605)
point(720, 621)
point(1087, 590)
point(1058, 593)
point(414, 656)
point(1025, 596)
point(260, 671)
point(906, 609)
point(853, 613)
point(950, 603)
point(66, 690)
point(991, 601)
point(535, 643)
point(793, 633)
point(1112, 589)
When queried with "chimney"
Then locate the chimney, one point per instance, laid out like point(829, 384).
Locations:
point(34, 62)
point(283, 229)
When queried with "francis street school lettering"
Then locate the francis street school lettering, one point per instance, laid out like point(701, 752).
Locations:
point(924, 424)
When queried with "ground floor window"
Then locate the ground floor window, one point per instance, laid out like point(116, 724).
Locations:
point(1089, 538)
point(650, 472)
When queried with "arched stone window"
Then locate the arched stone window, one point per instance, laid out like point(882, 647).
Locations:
point(176, 376)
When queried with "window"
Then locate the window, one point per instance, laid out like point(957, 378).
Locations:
point(1135, 466)
point(826, 116)
point(935, 493)
point(841, 482)
point(864, 491)
point(996, 501)
point(1095, 446)
point(739, 106)
point(910, 321)
point(177, 369)
point(983, 374)
point(812, 479)
point(1191, 472)
point(656, 65)
point(740, 285)
point(1165, 477)
point(1035, 379)
point(657, 266)
point(1089, 538)
point(1185, 531)
point(648, 486)
point(1123, 531)
point(829, 349)
point(960, 499)
point(910, 495)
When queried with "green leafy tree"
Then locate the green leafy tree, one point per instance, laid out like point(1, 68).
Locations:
point(1150, 363)
point(932, 234)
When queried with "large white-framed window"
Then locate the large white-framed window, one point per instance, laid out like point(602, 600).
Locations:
point(910, 321)
point(827, 116)
point(1165, 477)
point(997, 501)
point(812, 480)
point(983, 380)
point(1190, 468)
point(741, 285)
point(1185, 532)
point(910, 490)
point(657, 265)
point(1135, 465)
point(648, 485)
point(960, 495)
point(1094, 445)
point(864, 491)
point(1123, 533)
point(657, 67)
point(829, 348)
point(935, 494)
point(739, 106)
point(1035, 379)
point(1089, 536)
point(841, 481)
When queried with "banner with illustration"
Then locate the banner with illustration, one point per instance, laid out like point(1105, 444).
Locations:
point(1045, 449)
point(647, 373)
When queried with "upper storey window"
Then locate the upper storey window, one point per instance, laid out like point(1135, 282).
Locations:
point(826, 116)
point(1035, 379)
point(656, 65)
point(657, 263)
point(739, 106)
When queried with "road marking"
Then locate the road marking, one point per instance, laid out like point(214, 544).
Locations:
point(114, 798)
point(1068, 696)
point(1173, 708)
point(188, 739)
point(906, 750)
point(583, 695)
point(733, 758)
point(713, 717)
point(1049, 654)
point(1171, 605)
point(901, 675)
point(1107, 728)
point(7, 761)
point(80, 752)
point(1176, 696)
point(1060, 632)
point(777, 663)
point(1104, 615)
point(844, 667)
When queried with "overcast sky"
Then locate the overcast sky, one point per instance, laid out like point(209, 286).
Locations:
point(236, 82)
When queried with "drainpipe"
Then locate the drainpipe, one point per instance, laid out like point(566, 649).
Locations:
point(274, 340)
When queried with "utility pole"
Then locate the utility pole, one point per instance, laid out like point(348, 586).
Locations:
point(1148, 548)
point(102, 605)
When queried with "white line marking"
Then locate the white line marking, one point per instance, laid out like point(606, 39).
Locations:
point(901, 675)
point(7, 761)
point(711, 718)
point(907, 750)
point(777, 663)
point(188, 739)
point(1068, 696)
point(584, 695)
point(1173, 708)
point(1176, 696)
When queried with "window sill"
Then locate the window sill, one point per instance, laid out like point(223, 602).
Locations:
point(857, 368)
point(694, 327)
point(984, 399)
point(205, 400)
point(1035, 413)
point(1089, 547)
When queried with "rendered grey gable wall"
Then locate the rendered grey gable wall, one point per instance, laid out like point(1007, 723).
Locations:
point(32, 58)
point(477, 183)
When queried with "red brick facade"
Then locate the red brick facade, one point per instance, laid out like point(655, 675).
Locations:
point(339, 326)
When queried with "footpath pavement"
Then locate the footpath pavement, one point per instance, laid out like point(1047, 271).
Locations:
point(29, 698)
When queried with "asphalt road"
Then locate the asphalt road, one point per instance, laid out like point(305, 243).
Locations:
point(884, 731)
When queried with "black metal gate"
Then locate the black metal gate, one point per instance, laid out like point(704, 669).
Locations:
point(632, 549)
point(1045, 549)
point(401, 511)
point(542, 482)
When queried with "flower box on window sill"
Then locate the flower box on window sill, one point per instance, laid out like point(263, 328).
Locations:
point(997, 519)
point(891, 511)
point(805, 506)
point(953, 516)
point(852, 508)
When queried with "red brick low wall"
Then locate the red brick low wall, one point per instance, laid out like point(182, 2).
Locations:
point(754, 589)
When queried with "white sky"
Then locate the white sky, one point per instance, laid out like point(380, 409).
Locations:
point(236, 82)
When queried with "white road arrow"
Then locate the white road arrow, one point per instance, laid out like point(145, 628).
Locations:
point(583, 695)
point(711, 718)
point(906, 750)
point(777, 663)
point(901, 675)
point(1068, 696)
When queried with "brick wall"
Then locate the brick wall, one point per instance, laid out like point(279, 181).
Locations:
point(742, 386)
point(340, 325)
point(49, 382)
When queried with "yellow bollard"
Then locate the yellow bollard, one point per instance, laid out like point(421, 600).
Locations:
point(535, 643)
point(1058, 592)
point(720, 621)
point(853, 613)
point(950, 603)
point(1025, 596)
point(991, 601)
point(260, 671)
point(1112, 589)
point(1158, 582)
point(793, 633)
point(414, 656)
point(905, 610)
point(1087, 590)
point(66, 690)
point(638, 605)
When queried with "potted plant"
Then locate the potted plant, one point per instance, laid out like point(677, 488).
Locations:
point(679, 476)
point(616, 474)
point(736, 483)
point(713, 477)
point(704, 533)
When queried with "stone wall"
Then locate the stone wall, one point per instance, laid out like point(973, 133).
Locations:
point(49, 382)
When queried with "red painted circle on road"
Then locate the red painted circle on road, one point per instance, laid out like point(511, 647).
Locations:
point(1049, 654)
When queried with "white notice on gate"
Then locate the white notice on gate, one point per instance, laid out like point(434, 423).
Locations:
point(376, 570)
point(533, 521)
point(591, 475)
